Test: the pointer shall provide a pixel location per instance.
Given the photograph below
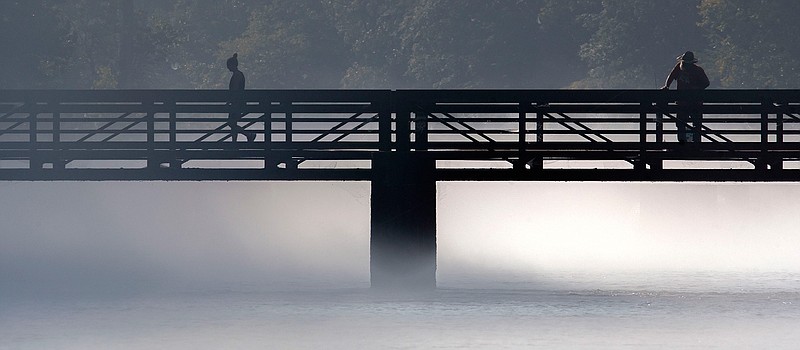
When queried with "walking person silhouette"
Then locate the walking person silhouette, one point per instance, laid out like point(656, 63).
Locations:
point(237, 84)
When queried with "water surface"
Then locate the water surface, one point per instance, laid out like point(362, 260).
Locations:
point(566, 310)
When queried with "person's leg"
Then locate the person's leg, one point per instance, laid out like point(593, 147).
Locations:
point(236, 129)
point(681, 125)
point(233, 123)
point(234, 132)
point(697, 126)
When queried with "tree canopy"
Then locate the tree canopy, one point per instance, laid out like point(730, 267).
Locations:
point(285, 44)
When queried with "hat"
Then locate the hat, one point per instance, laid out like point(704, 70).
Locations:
point(687, 56)
point(233, 62)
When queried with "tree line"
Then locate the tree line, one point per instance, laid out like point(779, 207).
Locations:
point(285, 44)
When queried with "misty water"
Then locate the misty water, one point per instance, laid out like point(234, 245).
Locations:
point(285, 266)
point(678, 310)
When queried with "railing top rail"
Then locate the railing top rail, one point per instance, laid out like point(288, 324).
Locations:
point(122, 96)
point(421, 96)
point(596, 96)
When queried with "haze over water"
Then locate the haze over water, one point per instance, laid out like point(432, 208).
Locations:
point(285, 265)
point(120, 265)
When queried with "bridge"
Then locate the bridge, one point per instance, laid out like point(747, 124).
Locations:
point(402, 141)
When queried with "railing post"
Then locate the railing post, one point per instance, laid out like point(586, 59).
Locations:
point(175, 163)
point(288, 123)
point(777, 163)
point(522, 126)
point(173, 123)
point(403, 126)
point(660, 123)
point(265, 105)
point(538, 162)
point(420, 130)
point(290, 163)
point(150, 119)
point(385, 122)
point(34, 161)
point(540, 122)
point(778, 126)
point(642, 163)
point(763, 161)
point(59, 161)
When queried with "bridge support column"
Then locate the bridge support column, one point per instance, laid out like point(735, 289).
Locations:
point(403, 222)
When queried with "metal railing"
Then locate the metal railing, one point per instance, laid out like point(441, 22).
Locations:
point(336, 133)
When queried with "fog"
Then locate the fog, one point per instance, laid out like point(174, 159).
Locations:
point(98, 237)
point(161, 234)
point(554, 265)
point(209, 265)
point(598, 227)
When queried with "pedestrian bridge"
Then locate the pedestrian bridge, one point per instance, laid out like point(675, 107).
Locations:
point(403, 141)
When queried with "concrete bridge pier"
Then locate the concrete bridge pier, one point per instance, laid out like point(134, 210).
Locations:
point(403, 222)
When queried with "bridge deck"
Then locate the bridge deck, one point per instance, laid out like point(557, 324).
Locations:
point(608, 135)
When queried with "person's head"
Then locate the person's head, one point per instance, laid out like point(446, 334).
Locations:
point(233, 63)
point(687, 57)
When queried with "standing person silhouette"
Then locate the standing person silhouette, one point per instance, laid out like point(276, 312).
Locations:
point(690, 77)
point(237, 84)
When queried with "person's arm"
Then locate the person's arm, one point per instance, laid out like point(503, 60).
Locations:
point(704, 83)
point(671, 77)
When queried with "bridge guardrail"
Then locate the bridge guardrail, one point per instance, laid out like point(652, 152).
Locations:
point(326, 129)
